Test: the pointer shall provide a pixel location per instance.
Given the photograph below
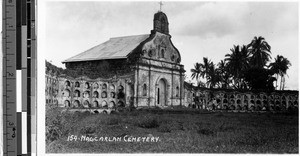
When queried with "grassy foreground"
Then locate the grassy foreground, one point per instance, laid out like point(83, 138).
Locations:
point(188, 131)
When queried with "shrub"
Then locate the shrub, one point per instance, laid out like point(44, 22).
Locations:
point(54, 125)
point(59, 123)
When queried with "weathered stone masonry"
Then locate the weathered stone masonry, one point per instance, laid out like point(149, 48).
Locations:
point(85, 93)
point(227, 99)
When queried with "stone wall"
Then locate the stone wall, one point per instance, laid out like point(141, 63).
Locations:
point(83, 92)
point(101, 68)
point(204, 98)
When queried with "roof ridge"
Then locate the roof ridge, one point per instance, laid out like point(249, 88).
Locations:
point(129, 36)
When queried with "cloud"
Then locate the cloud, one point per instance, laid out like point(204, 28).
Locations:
point(235, 18)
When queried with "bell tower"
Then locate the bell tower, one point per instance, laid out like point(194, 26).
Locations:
point(160, 23)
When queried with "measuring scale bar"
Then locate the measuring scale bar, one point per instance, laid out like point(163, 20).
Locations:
point(18, 75)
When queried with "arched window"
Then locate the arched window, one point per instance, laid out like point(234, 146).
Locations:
point(76, 104)
point(144, 90)
point(104, 94)
point(112, 94)
point(104, 104)
point(87, 85)
point(86, 94)
point(112, 104)
point(95, 104)
point(77, 93)
point(77, 84)
point(173, 57)
point(86, 104)
point(95, 85)
point(95, 94)
point(67, 103)
point(67, 83)
point(112, 87)
point(177, 92)
point(163, 53)
point(104, 86)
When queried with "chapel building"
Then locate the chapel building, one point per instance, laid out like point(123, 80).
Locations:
point(145, 68)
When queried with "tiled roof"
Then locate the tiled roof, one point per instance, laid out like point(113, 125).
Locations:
point(114, 48)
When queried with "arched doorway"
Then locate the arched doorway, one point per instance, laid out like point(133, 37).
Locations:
point(161, 92)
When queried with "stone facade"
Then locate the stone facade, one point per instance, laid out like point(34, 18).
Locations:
point(159, 75)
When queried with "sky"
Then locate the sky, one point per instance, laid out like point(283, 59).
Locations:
point(198, 29)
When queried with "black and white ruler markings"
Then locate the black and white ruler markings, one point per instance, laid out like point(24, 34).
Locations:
point(19, 77)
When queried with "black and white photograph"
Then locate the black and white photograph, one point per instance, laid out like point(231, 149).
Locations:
point(169, 77)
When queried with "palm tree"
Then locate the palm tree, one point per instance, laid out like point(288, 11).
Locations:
point(260, 51)
point(213, 76)
point(274, 67)
point(283, 68)
point(205, 66)
point(279, 67)
point(224, 75)
point(196, 72)
point(201, 70)
point(238, 62)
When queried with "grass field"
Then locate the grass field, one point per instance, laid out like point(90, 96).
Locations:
point(181, 131)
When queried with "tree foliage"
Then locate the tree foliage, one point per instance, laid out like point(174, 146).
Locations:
point(245, 67)
point(279, 67)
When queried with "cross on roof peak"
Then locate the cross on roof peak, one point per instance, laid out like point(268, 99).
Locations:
point(160, 5)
